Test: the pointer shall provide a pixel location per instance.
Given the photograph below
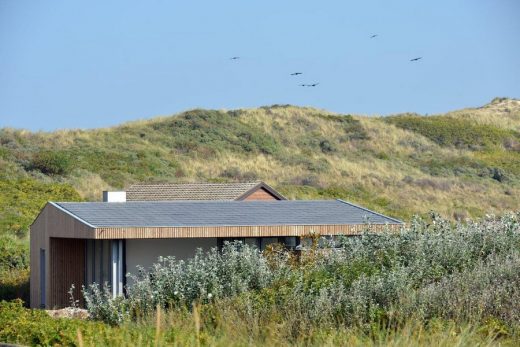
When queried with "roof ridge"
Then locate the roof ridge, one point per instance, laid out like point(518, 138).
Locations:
point(196, 191)
point(196, 183)
point(206, 201)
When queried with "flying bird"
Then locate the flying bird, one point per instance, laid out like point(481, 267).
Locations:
point(309, 85)
point(373, 36)
point(416, 59)
point(296, 73)
point(234, 58)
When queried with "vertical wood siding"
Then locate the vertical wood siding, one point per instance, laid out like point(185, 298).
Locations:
point(237, 231)
point(38, 241)
point(51, 222)
point(67, 258)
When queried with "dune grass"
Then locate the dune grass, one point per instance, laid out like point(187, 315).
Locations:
point(35, 327)
point(401, 165)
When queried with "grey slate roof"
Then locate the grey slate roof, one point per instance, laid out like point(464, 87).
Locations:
point(192, 191)
point(222, 213)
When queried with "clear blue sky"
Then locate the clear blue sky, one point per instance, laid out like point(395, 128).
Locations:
point(72, 64)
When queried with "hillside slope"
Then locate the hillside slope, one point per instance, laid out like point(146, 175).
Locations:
point(461, 164)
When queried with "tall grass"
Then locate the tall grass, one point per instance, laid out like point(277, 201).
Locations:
point(180, 328)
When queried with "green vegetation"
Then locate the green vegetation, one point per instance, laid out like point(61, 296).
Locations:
point(202, 132)
point(457, 132)
point(20, 202)
point(431, 283)
point(496, 150)
point(374, 161)
point(216, 327)
point(51, 162)
point(401, 166)
point(429, 270)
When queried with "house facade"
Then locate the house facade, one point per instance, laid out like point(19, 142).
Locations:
point(100, 242)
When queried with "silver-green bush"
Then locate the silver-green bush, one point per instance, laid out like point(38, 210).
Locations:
point(430, 269)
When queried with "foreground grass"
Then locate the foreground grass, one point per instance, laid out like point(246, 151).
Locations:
point(183, 328)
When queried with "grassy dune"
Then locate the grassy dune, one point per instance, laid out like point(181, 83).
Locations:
point(460, 164)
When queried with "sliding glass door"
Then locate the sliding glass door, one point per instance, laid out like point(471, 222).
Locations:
point(105, 262)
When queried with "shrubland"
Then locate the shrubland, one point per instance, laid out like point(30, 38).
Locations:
point(466, 272)
point(433, 282)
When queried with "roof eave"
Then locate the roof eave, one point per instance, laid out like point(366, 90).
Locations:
point(64, 210)
point(374, 212)
point(237, 226)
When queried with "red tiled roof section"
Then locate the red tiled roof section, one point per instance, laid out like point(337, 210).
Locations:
point(200, 191)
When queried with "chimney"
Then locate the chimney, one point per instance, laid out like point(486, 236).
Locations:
point(114, 196)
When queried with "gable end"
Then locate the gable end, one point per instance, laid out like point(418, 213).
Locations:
point(261, 191)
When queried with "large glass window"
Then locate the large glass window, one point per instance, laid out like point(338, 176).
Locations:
point(105, 264)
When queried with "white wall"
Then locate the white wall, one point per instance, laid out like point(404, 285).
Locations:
point(114, 196)
point(145, 252)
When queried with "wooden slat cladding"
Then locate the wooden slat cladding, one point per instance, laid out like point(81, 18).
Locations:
point(237, 231)
point(38, 241)
point(67, 267)
point(51, 222)
point(61, 224)
point(260, 194)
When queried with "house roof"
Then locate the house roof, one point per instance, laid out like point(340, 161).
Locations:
point(222, 213)
point(196, 191)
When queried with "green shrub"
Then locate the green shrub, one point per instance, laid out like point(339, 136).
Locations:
point(21, 200)
point(14, 284)
point(51, 162)
point(326, 146)
point(457, 132)
point(36, 327)
point(218, 130)
point(206, 277)
point(14, 253)
point(429, 270)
